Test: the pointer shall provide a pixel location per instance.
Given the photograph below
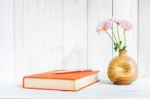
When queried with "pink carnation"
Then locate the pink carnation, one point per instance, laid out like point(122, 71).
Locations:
point(126, 25)
point(103, 26)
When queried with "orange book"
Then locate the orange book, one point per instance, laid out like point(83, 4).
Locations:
point(61, 80)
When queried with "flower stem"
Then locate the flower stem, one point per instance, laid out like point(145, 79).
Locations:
point(118, 32)
point(124, 37)
point(114, 35)
point(110, 36)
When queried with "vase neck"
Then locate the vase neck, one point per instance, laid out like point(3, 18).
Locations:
point(122, 53)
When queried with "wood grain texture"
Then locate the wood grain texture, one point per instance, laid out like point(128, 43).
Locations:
point(99, 46)
point(144, 37)
point(6, 39)
point(74, 34)
point(122, 69)
point(37, 35)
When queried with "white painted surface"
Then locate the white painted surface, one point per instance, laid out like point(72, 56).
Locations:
point(144, 37)
point(6, 39)
point(74, 34)
point(99, 46)
point(102, 90)
point(38, 38)
point(50, 34)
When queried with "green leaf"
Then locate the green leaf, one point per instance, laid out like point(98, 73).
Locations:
point(120, 42)
point(117, 45)
point(124, 47)
point(114, 43)
point(115, 48)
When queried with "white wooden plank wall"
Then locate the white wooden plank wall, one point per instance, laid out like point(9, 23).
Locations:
point(39, 35)
point(6, 39)
point(38, 41)
point(144, 38)
point(74, 34)
point(99, 46)
point(50, 34)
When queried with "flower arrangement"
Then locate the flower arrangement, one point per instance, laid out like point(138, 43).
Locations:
point(109, 25)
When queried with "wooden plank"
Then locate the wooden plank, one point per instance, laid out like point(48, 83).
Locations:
point(99, 46)
point(19, 39)
point(6, 39)
point(74, 34)
point(144, 38)
point(37, 35)
point(128, 9)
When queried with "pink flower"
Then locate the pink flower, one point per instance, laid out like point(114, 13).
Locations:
point(103, 26)
point(114, 20)
point(126, 25)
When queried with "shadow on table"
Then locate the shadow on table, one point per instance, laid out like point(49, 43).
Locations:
point(105, 81)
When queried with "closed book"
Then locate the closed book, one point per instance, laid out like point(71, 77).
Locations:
point(55, 80)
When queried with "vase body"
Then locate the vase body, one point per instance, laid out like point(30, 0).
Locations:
point(122, 69)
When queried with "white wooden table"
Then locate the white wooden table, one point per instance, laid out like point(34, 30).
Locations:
point(101, 90)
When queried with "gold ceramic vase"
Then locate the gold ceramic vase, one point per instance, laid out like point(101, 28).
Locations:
point(122, 69)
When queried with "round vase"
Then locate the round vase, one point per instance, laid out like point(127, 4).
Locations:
point(122, 69)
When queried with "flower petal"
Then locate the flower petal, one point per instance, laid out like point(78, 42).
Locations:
point(103, 26)
point(126, 25)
